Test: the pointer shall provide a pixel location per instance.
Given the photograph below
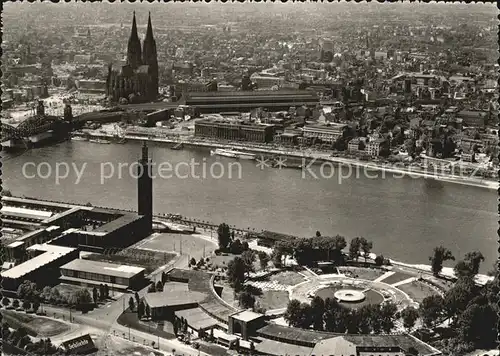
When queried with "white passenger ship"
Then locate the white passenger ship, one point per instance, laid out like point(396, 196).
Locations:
point(232, 154)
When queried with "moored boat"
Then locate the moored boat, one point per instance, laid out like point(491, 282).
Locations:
point(232, 154)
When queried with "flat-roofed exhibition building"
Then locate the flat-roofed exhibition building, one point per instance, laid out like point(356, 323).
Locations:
point(43, 268)
point(90, 273)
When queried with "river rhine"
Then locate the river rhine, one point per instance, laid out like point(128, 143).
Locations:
point(404, 217)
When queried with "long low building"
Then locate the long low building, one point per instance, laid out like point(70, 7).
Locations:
point(93, 273)
point(42, 269)
point(247, 100)
point(233, 130)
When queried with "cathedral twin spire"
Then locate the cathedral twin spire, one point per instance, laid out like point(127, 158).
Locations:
point(148, 55)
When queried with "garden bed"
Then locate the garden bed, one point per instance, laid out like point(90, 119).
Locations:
point(34, 325)
point(417, 290)
point(149, 260)
point(272, 299)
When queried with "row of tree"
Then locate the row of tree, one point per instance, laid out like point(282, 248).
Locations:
point(309, 251)
point(330, 316)
point(468, 267)
point(26, 305)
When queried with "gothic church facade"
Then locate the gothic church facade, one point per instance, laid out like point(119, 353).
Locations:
point(137, 80)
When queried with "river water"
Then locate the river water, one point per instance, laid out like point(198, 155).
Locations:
point(404, 217)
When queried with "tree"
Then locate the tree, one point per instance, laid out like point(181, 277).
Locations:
point(55, 296)
point(458, 297)
point(236, 273)
point(366, 247)
point(236, 247)
point(5, 301)
point(248, 258)
point(147, 311)
point(137, 299)
point(80, 298)
point(245, 246)
point(102, 292)
point(478, 325)
point(440, 256)
point(318, 234)
point(224, 236)
point(317, 309)
point(246, 299)
point(409, 316)
point(354, 248)
point(27, 290)
point(277, 258)
point(379, 260)
point(106, 291)
point(46, 293)
point(192, 262)
point(387, 316)
point(131, 304)
point(26, 305)
point(159, 286)
point(95, 295)
point(140, 309)
point(36, 306)
point(15, 304)
point(474, 259)
point(293, 313)
point(263, 260)
point(431, 309)
point(462, 269)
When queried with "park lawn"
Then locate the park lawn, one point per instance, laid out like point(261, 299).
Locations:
point(288, 278)
point(369, 274)
point(272, 299)
point(35, 325)
point(191, 244)
point(396, 277)
point(417, 290)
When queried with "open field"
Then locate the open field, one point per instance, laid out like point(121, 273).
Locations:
point(289, 278)
point(185, 244)
point(417, 290)
point(369, 274)
point(272, 299)
point(372, 297)
point(34, 325)
point(396, 277)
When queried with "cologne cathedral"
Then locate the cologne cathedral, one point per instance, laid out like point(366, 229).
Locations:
point(138, 78)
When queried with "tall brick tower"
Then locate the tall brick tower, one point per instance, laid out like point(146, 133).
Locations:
point(145, 187)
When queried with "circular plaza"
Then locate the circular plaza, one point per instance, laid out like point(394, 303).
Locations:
point(350, 292)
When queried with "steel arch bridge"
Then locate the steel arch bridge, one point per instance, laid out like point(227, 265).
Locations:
point(29, 127)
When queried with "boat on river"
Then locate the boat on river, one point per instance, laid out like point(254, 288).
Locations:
point(232, 154)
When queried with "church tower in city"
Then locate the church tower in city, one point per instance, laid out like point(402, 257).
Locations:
point(150, 57)
point(134, 57)
point(137, 80)
point(145, 187)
